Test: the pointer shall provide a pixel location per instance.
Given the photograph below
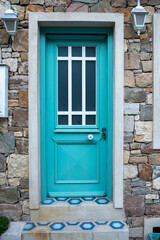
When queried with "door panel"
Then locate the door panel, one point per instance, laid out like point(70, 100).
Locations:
point(72, 156)
point(76, 106)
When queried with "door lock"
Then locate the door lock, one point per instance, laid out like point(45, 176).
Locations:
point(104, 133)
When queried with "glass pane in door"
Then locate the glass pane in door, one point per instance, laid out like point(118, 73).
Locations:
point(76, 85)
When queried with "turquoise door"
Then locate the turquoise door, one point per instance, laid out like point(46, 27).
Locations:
point(76, 112)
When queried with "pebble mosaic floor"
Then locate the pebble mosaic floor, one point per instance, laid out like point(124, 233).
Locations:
point(74, 226)
point(75, 201)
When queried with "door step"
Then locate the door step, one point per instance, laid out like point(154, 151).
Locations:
point(77, 209)
point(86, 230)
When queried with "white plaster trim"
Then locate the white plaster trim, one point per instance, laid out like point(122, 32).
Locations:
point(149, 224)
point(156, 81)
point(36, 20)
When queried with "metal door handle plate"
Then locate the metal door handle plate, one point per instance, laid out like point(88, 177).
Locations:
point(104, 133)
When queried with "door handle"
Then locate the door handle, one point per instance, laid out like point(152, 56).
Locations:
point(90, 137)
point(104, 133)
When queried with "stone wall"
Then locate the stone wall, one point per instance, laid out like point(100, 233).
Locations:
point(141, 162)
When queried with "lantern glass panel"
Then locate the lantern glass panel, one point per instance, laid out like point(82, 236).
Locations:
point(10, 24)
point(140, 19)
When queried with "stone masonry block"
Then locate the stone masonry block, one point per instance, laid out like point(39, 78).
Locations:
point(24, 2)
point(144, 80)
point(57, 3)
point(128, 137)
point(23, 98)
point(156, 184)
point(156, 172)
point(23, 68)
point(129, 32)
point(147, 66)
point(86, 1)
point(136, 232)
point(24, 183)
point(129, 79)
point(2, 178)
point(128, 123)
point(126, 12)
point(102, 6)
point(154, 159)
point(18, 82)
point(130, 171)
point(2, 163)
point(146, 173)
point(153, 209)
point(131, 108)
point(145, 56)
point(146, 113)
point(131, 61)
point(138, 159)
point(143, 131)
point(20, 43)
point(12, 212)
point(8, 195)
point(137, 221)
point(141, 190)
point(7, 143)
point(33, 8)
point(12, 63)
point(21, 11)
point(134, 95)
point(118, 3)
point(126, 156)
point(39, 2)
point(134, 205)
point(74, 6)
point(20, 117)
point(148, 148)
point(22, 146)
point(18, 166)
point(134, 47)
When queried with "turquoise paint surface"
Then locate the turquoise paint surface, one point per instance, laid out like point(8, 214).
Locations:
point(71, 164)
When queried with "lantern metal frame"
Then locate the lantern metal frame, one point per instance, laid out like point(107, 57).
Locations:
point(10, 18)
point(138, 11)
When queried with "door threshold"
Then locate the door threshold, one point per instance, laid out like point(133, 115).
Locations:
point(76, 200)
point(77, 194)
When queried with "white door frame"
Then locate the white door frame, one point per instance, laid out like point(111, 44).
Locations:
point(37, 20)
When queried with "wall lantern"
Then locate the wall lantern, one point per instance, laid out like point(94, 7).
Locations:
point(138, 18)
point(3, 90)
point(10, 20)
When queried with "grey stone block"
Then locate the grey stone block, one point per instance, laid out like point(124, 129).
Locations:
point(8, 195)
point(2, 163)
point(138, 183)
point(136, 232)
point(146, 113)
point(128, 137)
point(141, 190)
point(156, 172)
point(134, 95)
point(128, 123)
point(7, 143)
